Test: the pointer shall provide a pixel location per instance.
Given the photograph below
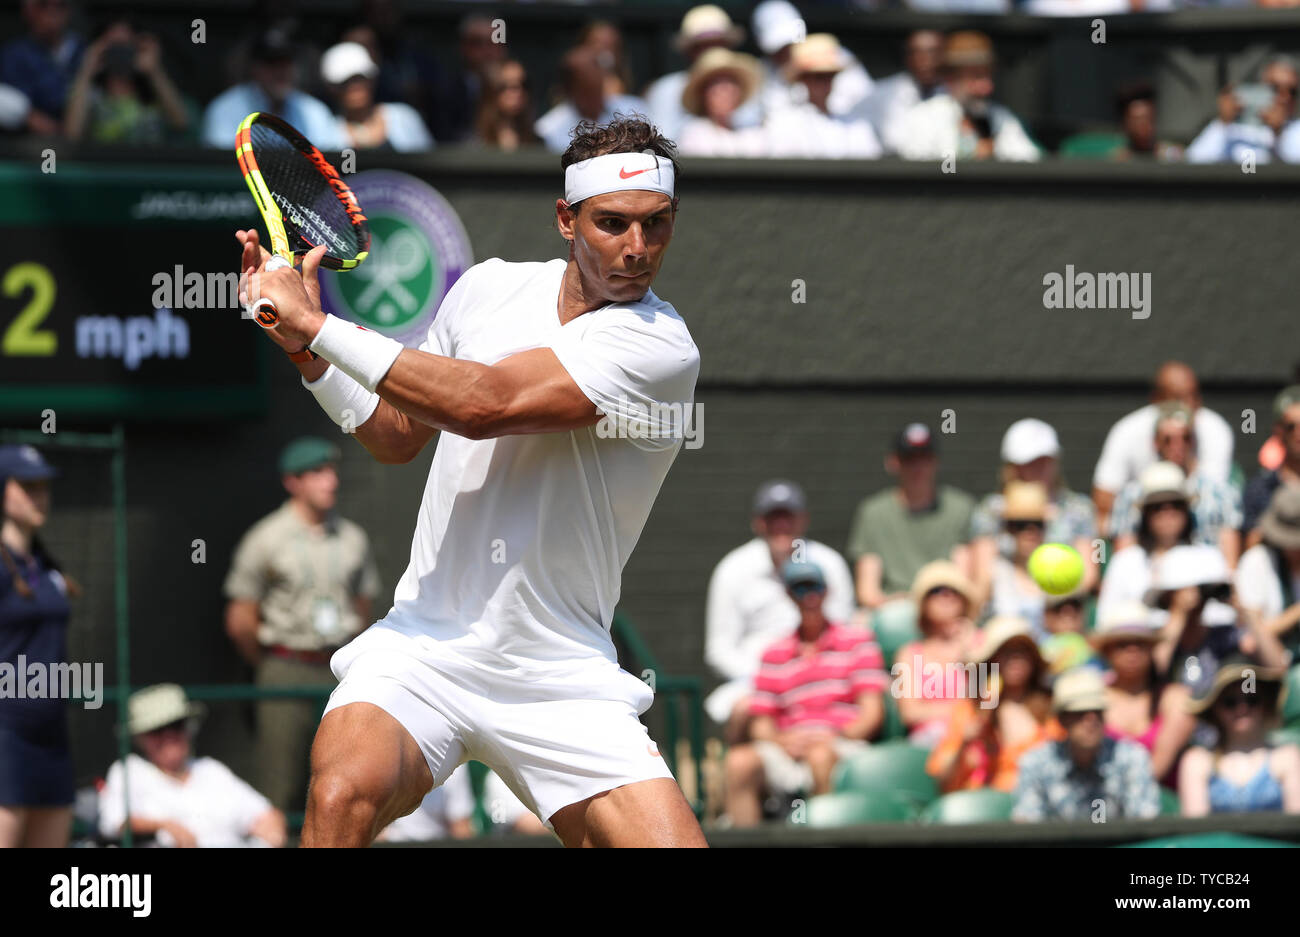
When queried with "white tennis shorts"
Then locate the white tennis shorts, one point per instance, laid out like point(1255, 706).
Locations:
point(550, 753)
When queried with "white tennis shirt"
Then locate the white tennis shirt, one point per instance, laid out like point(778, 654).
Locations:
point(520, 544)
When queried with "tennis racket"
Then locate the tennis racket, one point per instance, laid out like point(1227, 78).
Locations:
point(302, 199)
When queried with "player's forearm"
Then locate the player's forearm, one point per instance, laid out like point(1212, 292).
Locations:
point(461, 397)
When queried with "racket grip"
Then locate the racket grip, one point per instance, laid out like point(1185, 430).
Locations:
point(263, 310)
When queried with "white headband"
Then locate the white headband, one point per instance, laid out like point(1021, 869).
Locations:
point(618, 172)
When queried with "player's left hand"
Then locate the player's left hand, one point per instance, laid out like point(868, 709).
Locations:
point(296, 294)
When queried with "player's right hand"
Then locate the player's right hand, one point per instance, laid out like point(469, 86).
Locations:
point(252, 259)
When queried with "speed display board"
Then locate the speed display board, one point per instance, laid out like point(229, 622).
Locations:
point(118, 294)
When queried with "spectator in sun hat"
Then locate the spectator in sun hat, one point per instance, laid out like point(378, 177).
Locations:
point(778, 27)
point(963, 122)
point(1260, 490)
point(1031, 452)
point(1268, 578)
point(1140, 705)
point(986, 736)
point(36, 772)
point(943, 598)
point(1215, 505)
point(1130, 443)
point(703, 29)
point(1013, 590)
point(299, 587)
point(749, 606)
point(1243, 772)
point(817, 698)
point(809, 128)
point(721, 83)
point(350, 73)
point(1165, 521)
point(898, 530)
point(177, 798)
point(1192, 585)
point(1086, 775)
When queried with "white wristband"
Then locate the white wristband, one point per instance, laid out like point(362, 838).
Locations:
point(361, 354)
point(347, 402)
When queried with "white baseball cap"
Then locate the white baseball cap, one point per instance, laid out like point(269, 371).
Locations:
point(777, 24)
point(347, 60)
point(1027, 440)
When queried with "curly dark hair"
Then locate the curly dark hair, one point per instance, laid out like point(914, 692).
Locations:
point(623, 134)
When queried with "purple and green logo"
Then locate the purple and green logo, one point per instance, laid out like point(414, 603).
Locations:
point(418, 249)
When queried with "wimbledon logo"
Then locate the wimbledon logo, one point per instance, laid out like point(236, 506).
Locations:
point(418, 249)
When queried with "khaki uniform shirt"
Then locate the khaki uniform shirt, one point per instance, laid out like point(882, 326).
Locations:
point(304, 580)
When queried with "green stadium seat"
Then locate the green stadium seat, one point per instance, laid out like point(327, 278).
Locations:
point(980, 806)
point(1170, 805)
point(1291, 707)
point(892, 729)
point(895, 625)
point(1288, 735)
point(890, 766)
point(852, 807)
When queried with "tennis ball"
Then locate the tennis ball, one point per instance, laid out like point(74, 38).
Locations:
point(1056, 567)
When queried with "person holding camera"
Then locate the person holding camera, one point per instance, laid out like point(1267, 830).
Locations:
point(122, 93)
point(1202, 628)
point(1253, 120)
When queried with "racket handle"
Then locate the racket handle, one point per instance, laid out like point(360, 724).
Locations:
point(263, 310)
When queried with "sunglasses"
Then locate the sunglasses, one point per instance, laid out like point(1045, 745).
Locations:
point(1166, 506)
point(1074, 605)
point(1282, 89)
point(1289, 426)
point(1233, 700)
point(1017, 527)
point(801, 589)
point(169, 729)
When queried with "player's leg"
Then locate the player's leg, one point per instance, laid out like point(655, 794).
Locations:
point(367, 771)
point(645, 814)
point(47, 828)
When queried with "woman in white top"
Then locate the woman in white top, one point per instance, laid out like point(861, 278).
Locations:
point(1268, 575)
point(176, 798)
point(364, 124)
point(1024, 518)
point(720, 83)
point(809, 130)
point(1165, 522)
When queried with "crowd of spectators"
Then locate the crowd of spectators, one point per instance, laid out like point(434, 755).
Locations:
point(1162, 670)
point(798, 94)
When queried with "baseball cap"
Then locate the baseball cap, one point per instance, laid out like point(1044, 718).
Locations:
point(1078, 691)
point(1027, 440)
point(24, 463)
point(777, 24)
point(793, 573)
point(1287, 398)
point(347, 60)
point(914, 438)
point(307, 453)
point(778, 495)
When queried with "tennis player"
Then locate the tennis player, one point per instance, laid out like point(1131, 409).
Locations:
point(556, 386)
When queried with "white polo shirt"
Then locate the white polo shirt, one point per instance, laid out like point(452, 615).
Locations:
point(520, 542)
point(1130, 447)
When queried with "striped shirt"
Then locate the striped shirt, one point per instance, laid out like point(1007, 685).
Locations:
point(820, 687)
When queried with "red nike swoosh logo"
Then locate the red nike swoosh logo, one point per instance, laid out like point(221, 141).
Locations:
point(624, 174)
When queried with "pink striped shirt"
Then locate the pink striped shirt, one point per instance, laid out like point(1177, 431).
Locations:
point(820, 688)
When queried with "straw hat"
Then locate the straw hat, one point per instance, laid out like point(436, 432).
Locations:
point(999, 631)
point(1237, 670)
point(1280, 525)
point(159, 705)
point(1162, 481)
point(1127, 621)
point(1079, 690)
point(941, 573)
point(707, 23)
point(819, 53)
point(1024, 501)
point(744, 68)
point(967, 48)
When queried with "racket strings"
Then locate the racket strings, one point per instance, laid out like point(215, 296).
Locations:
point(312, 211)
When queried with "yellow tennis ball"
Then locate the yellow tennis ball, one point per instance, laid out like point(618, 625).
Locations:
point(1056, 567)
